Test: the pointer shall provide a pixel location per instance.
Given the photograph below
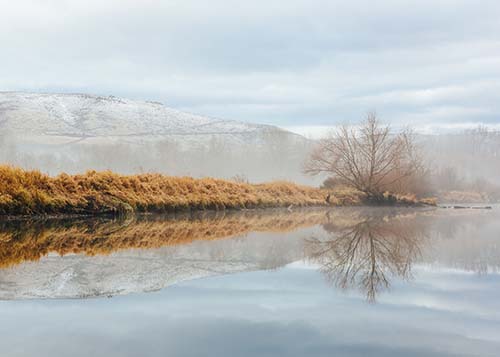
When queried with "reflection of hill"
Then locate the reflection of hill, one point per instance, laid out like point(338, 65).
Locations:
point(185, 249)
point(25, 241)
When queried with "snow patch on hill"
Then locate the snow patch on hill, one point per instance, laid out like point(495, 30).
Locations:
point(66, 118)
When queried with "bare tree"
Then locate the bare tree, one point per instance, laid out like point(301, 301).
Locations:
point(369, 158)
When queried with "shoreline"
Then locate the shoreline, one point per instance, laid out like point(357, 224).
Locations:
point(199, 212)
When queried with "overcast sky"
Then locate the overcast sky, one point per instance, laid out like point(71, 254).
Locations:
point(291, 63)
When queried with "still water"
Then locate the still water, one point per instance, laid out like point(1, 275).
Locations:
point(316, 282)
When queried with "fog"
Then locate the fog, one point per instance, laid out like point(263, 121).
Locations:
point(466, 161)
point(277, 156)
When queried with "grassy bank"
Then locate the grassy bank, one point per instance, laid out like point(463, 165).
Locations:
point(33, 193)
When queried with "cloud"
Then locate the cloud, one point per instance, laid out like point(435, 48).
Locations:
point(290, 63)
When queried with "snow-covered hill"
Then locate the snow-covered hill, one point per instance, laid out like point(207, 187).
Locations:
point(78, 132)
point(63, 118)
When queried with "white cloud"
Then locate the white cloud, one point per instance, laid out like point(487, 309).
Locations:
point(294, 63)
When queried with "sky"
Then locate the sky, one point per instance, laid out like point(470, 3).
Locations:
point(299, 64)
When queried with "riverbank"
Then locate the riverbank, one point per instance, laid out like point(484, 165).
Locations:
point(32, 193)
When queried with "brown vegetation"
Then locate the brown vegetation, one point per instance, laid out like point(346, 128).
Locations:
point(31, 193)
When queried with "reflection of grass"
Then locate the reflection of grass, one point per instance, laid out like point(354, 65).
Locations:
point(25, 241)
point(31, 192)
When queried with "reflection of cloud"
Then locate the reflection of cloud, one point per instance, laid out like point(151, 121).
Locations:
point(222, 337)
point(447, 291)
point(228, 316)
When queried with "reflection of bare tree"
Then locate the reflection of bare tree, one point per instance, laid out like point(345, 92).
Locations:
point(368, 251)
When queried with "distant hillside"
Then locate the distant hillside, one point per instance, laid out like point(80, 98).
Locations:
point(66, 118)
point(78, 132)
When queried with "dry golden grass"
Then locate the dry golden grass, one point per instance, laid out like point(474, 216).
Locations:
point(31, 192)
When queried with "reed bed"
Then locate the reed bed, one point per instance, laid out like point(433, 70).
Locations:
point(34, 193)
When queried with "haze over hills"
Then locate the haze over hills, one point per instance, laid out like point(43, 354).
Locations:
point(79, 132)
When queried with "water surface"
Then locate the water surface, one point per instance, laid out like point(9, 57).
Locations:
point(347, 281)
